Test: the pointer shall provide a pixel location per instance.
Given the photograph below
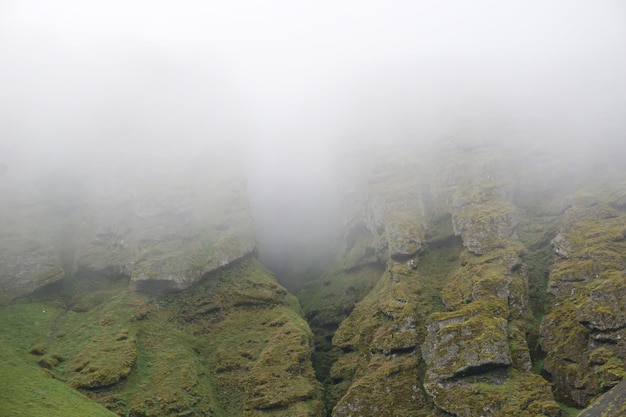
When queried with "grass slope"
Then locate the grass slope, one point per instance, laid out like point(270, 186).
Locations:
point(25, 388)
point(233, 345)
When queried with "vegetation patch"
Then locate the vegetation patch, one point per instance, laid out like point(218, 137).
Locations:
point(235, 344)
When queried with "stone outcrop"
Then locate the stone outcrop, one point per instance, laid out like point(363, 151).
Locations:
point(463, 323)
point(584, 335)
point(611, 404)
point(478, 346)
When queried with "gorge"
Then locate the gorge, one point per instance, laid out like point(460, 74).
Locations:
point(290, 209)
point(467, 277)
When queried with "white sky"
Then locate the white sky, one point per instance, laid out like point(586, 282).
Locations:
point(300, 72)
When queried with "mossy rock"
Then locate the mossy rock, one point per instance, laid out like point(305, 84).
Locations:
point(498, 393)
point(383, 321)
point(489, 277)
point(389, 387)
point(283, 376)
point(234, 344)
point(327, 301)
point(610, 404)
point(605, 307)
point(465, 345)
point(104, 363)
point(587, 316)
point(486, 226)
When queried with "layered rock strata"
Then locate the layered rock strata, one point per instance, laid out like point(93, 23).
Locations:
point(464, 323)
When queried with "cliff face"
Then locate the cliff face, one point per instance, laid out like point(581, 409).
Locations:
point(489, 266)
point(470, 279)
point(583, 335)
point(93, 270)
point(162, 224)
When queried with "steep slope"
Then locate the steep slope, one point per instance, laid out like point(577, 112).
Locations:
point(583, 335)
point(136, 285)
point(470, 278)
point(235, 344)
point(611, 404)
point(26, 390)
point(457, 329)
point(164, 223)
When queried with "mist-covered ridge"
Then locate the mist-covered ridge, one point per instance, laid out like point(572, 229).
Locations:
point(312, 208)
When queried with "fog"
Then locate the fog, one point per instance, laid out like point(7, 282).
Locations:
point(133, 84)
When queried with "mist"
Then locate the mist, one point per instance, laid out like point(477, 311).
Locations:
point(283, 90)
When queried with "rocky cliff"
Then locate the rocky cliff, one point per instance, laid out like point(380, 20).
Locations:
point(92, 272)
point(470, 278)
point(499, 290)
point(163, 224)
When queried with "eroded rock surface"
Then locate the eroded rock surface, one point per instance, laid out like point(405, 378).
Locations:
point(464, 322)
point(584, 334)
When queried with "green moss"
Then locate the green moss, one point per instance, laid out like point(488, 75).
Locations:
point(389, 385)
point(27, 389)
point(489, 306)
point(326, 303)
point(538, 258)
point(512, 393)
point(610, 404)
point(330, 299)
point(520, 353)
point(436, 267)
point(588, 285)
point(386, 322)
point(381, 316)
point(567, 411)
point(190, 353)
point(282, 375)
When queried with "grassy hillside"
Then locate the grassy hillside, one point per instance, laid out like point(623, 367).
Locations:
point(234, 345)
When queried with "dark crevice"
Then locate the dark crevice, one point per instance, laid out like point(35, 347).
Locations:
point(478, 370)
point(403, 258)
